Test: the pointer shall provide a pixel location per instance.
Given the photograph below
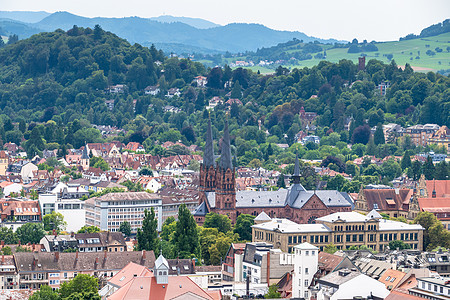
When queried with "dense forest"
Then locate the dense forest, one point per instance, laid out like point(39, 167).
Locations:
point(53, 89)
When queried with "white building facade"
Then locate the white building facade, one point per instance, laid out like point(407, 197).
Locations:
point(306, 260)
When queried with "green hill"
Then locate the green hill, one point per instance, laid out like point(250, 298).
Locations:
point(423, 54)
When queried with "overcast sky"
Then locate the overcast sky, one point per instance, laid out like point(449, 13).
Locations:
point(380, 20)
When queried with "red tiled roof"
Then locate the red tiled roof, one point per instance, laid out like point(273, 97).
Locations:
point(390, 275)
point(442, 188)
point(435, 205)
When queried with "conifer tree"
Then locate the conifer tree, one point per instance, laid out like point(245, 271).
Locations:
point(185, 238)
point(378, 136)
point(147, 236)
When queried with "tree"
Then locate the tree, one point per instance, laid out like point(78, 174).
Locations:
point(30, 233)
point(361, 134)
point(8, 235)
point(54, 221)
point(406, 160)
point(185, 237)
point(88, 229)
point(400, 245)
point(7, 250)
point(434, 233)
point(243, 226)
point(125, 228)
point(99, 162)
point(221, 222)
point(83, 283)
point(45, 293)
point(428, 169)
point(236, 93)
point(330, 248)
point(273, 292)
point(280, 181)
point(442, 171)
point(147, 236)
point(378, 136)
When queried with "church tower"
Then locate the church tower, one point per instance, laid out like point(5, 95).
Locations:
point(225, 179)
point(208, 167)
point(85, 158)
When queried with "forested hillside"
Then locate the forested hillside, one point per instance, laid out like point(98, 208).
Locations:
point(53, 89)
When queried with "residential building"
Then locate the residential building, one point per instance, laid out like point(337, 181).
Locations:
point(350, 284)
point(391, 278)
point(9, 278)
point(305, 267)
point(310, 139)
point(232, 264)
point(441, 138)
point(54, 268)
point(58, 243)
point(434, 197)
point(101, 241)
point(173, 92)
point(146, 284)
point(109, 211)
point(201, 81)
point(9, 188)
point(383, 86)
point(23, 168)
point(73, 210)
point(393, 202)
point(116, 89)
point(434, 288)
point(152, 90)
point(264, 265)
point(343, 229)
point(15, 213)
point(420, 134)
point(218, 192)
point(307, 118)
point(4, 162)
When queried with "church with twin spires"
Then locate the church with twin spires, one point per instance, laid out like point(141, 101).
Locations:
point(218, 192)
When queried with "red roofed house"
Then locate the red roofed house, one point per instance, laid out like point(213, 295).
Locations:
point(134, 282)
point(394, 202)
point(133, 146)
point(434, 197)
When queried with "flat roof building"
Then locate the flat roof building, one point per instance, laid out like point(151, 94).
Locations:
point(343, 229)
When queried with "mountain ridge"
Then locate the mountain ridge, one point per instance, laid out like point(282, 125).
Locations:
point(233, 37)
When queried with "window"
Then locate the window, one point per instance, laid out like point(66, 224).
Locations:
point(307, 253)
point(306, 270)
point(387, 278)
point(306, 295)
point(306, 282)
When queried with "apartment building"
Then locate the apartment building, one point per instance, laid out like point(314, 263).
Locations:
point(343, 229)
point(72, 209)
point(109, 211)
point(54, 268)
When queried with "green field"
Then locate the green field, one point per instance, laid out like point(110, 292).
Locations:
point(403, 52)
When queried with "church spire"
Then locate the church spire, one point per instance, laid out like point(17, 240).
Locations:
point(208, 154)
point(225, 155)
point(296, 175)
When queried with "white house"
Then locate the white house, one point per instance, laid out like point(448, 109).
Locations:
point(10, 187)
point(306, 262)
point(72, 210)
point(152, 90)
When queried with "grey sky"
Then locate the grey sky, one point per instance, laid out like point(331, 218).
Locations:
point(379, 20)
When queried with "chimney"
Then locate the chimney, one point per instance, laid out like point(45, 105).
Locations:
point(54, 232)
point(56, 255)
point(72, 234)
point(19, 243)
point(96, 263)
point(76, 255)
point(104, 257)
point(144, 255)
point(193, 263)
point(3, 259)
point(3, 243)
point(268, 267)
